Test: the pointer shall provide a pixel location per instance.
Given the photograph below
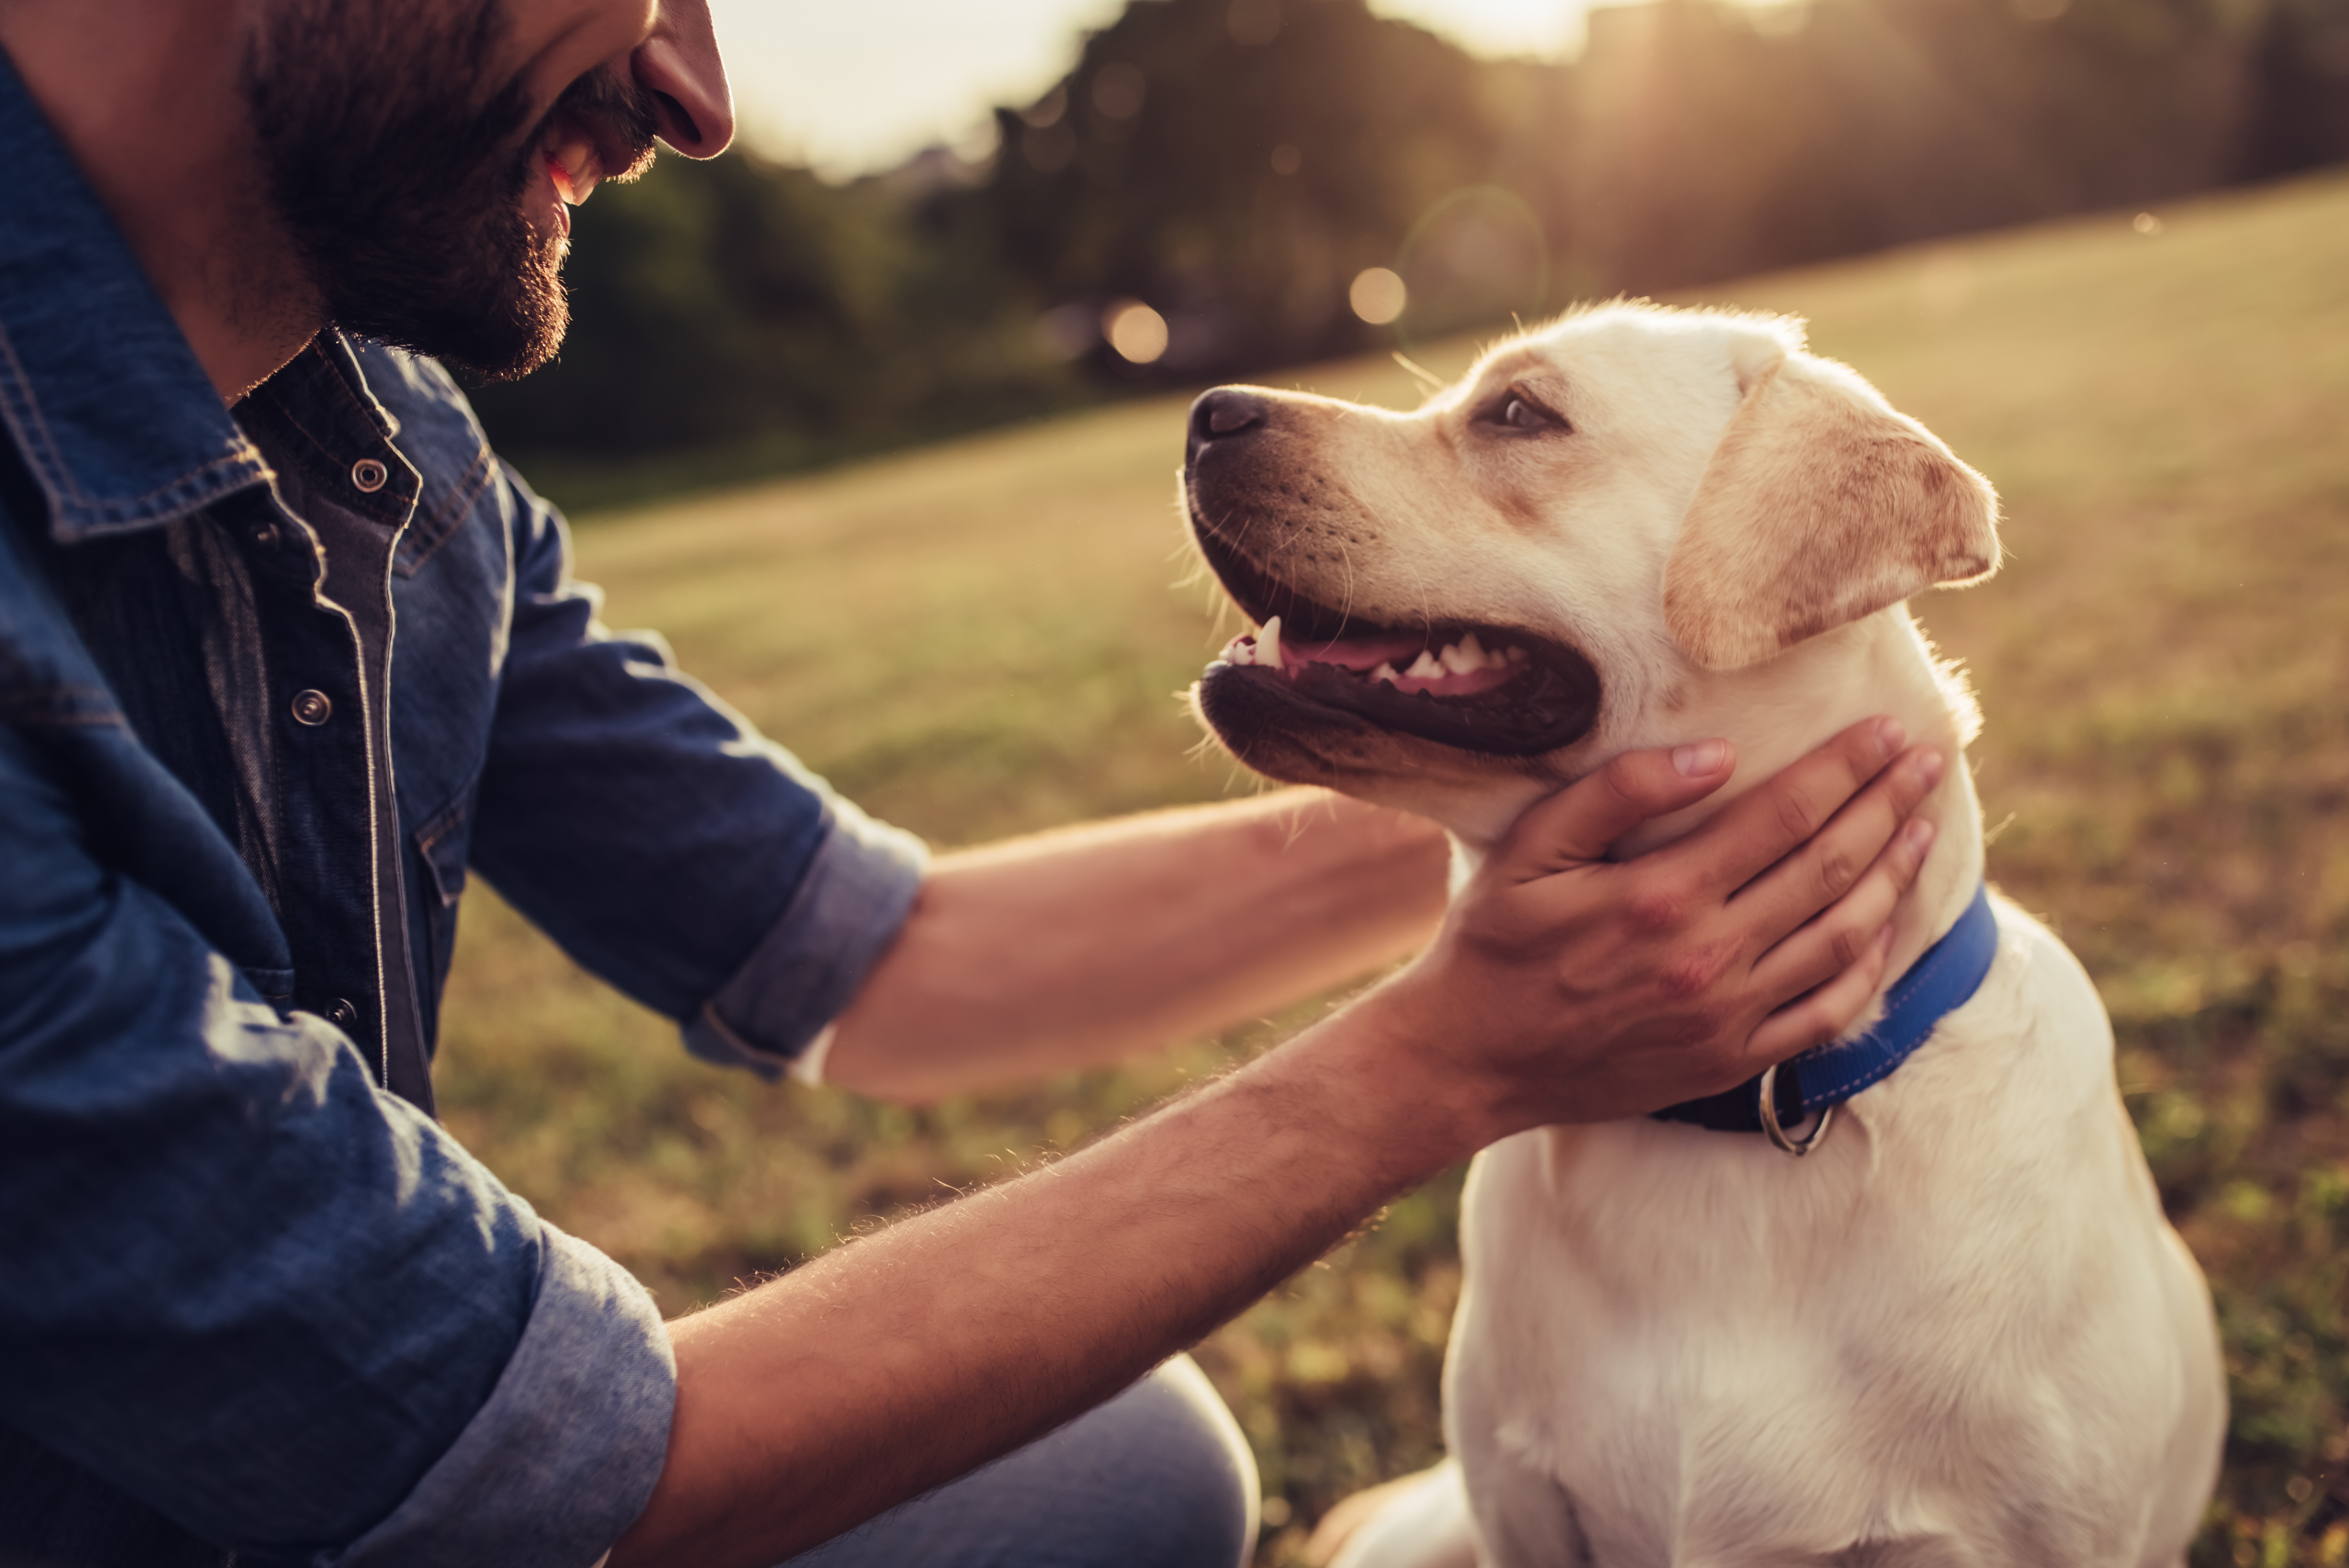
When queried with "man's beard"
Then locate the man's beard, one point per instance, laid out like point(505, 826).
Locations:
point(399, 171)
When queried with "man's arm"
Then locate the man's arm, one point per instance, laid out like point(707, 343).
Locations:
point(1562, 989)
point(240, 1283)
point(1082, 946)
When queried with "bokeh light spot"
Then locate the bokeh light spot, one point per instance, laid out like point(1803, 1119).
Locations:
point(1137, 332)
point(1286, 159)
point(1117, 91)
point(2146, 223)
point(1378, 295)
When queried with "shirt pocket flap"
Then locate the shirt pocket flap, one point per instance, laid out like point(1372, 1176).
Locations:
point(443, 842)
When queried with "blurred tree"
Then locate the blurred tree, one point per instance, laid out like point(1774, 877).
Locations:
point(1234, 165)
point(740, 303)
point(2299, 111)
point(1720, 139)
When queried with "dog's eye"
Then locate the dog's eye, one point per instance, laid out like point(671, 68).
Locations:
point(1514, 411)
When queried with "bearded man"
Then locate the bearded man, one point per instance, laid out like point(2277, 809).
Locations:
point(257, 1306)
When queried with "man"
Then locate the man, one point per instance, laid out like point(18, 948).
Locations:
point(255, 1300)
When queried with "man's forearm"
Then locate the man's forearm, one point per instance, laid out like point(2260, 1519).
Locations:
point(1080, 947)
point(903, 1360)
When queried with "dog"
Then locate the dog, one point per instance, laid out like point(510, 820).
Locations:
point(1958, 1329)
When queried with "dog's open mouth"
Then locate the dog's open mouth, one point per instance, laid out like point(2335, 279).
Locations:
point(1496, 690)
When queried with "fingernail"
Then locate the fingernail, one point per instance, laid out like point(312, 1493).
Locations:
point(1930, 765)
point(1884, 940)
point(1891, 736)
point(1702, 760)
point(1920, 834)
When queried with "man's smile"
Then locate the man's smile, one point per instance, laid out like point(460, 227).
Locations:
point(589, 137)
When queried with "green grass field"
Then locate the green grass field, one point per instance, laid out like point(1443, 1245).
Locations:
point(983, 638)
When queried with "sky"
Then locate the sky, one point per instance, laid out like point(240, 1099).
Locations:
point(853, 86)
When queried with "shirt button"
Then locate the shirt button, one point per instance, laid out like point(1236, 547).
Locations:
point(370, 475)
point(267, 536)
point(342, 1014)
point(313, 707)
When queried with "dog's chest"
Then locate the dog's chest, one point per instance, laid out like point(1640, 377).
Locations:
point(1706, 1345)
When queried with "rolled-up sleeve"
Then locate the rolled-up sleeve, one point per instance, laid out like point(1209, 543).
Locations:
point(662, 841)
point(242, 1286)
point(562, 1458)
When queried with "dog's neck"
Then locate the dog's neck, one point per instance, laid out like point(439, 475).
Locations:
point(1776, 711)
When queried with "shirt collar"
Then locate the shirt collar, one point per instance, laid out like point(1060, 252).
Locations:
point(115, 417)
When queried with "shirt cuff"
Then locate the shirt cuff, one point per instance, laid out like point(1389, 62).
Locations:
point(564, 1457)
point(850, 906)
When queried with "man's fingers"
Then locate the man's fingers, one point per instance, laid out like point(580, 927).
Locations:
point(1820, 1015)
point(1839, 937)
point(1754, 832)
point(1579, 822)
point(1832, 862)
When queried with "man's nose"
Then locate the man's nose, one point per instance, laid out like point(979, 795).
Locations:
point(679, 65)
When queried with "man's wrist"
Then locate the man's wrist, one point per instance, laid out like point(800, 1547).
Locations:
point(1392, 1089)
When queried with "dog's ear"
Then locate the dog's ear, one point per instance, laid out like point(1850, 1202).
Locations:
point(1821, 504)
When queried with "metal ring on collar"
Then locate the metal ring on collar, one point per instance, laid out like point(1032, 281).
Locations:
point(1779, 1134)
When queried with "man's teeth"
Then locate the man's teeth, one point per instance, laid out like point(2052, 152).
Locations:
point(575, 167)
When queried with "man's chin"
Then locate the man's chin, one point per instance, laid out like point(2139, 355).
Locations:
point(497, 323)
point(509, 354)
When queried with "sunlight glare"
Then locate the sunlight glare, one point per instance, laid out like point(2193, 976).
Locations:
point(1550, 28)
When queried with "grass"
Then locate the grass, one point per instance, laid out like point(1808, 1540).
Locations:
point(983, 638)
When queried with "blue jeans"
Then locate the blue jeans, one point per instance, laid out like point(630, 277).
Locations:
point(1158, 1477)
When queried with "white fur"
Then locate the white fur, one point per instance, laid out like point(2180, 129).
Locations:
point(1962, 1333)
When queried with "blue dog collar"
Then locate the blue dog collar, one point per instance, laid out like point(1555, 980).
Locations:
point(1944, 980)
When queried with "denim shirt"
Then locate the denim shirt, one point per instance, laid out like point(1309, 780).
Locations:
point(273, 682)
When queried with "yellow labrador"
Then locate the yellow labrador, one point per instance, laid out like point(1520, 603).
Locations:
point(1959, 1331)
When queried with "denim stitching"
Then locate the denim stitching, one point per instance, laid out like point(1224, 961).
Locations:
point(366, 505)
point(433, 833)
point(428, 536)
point(75, 509)
point(16, 398)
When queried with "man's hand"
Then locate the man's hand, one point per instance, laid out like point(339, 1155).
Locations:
point(1566, 987)
point(1563, 987)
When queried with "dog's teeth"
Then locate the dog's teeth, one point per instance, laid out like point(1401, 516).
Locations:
point(1517, 656)
point(1465, 655)
point(1267, 643)
point(1386, 672)
point(1241, 651)
point(1425, 667)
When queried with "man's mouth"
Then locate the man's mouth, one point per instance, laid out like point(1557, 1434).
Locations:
point(573, 159)
point(601, 128)
point(1498, 690)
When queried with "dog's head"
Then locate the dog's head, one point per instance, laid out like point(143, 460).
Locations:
point(1486, 598)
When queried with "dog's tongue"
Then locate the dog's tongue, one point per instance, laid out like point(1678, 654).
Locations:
point(1359, 654)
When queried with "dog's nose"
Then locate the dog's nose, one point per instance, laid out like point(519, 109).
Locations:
point(1223, 412)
